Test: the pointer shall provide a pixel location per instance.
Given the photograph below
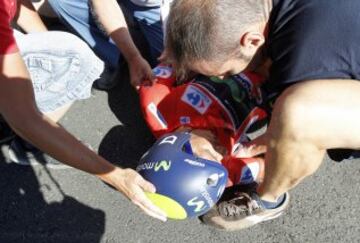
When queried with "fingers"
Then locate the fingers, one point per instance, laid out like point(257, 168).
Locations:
point(139, 198)
point(145, 185)
point(164, 58)
point(132, 185)
point(141, 74)
point(250, 151)
point(215, 155)
point(149, 74)
point(253, 148)
point(150, 211)
point(137, 79)
point(204, 144)
point(206, 134)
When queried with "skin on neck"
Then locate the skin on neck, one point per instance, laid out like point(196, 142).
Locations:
point(268, 6)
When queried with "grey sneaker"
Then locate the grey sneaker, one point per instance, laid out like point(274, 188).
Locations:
point(241, 211)
point(23, 153)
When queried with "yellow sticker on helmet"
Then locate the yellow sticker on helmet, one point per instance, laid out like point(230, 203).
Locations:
point(172, 208)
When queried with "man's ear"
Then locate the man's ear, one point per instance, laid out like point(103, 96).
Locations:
point(250, 42)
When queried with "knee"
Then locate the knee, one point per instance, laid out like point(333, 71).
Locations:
point(84, 53)
point(309, 158)
point(75, 51)
point(291, 130)
point(72, 41)
point(292, 114)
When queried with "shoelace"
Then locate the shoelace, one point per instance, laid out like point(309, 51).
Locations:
point(240, 206)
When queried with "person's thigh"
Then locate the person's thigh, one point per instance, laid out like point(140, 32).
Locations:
point(149, 20)
point(77, 16)
point(325, 112)
point(62, 67)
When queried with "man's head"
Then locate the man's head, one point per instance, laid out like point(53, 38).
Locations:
point(214, 37)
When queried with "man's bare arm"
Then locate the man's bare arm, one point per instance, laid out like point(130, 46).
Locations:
point(17, 105)
point(28, 18)
point(111, 18)
point(18, 108)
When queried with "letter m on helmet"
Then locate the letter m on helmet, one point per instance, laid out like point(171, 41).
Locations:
point(165, 165)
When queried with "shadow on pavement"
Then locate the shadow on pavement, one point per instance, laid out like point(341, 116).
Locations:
point(25, 215)
point(126, 143)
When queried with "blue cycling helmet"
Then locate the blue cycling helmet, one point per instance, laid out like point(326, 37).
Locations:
point(186, 186)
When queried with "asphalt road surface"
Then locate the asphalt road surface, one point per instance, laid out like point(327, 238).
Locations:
point(44, 205)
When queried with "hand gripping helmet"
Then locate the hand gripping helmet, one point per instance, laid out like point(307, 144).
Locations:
point(186, 186)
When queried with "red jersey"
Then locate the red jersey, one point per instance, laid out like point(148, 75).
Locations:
point(7, 41)
point(226, 107)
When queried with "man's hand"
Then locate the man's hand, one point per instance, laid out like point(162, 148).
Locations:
point(253, 148)
point(164, 58)
point(110, 16)
point(205, 145)
point(140, 72)
point(132, 185)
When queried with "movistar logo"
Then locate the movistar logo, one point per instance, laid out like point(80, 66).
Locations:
point(199, 205)
point(164, 164)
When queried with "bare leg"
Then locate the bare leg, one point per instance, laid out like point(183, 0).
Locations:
point(56, 115)
point(309, 118)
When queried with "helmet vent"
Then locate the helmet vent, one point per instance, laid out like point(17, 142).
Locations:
point(213, 180)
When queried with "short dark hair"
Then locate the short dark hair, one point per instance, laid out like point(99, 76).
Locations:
point(208, 29)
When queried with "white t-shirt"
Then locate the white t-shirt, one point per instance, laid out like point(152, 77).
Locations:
point(164, 12)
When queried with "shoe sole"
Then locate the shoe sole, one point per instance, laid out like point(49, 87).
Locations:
point(218, 222)
point(26, 161)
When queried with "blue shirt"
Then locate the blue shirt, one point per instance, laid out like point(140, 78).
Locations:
point(313, 39)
